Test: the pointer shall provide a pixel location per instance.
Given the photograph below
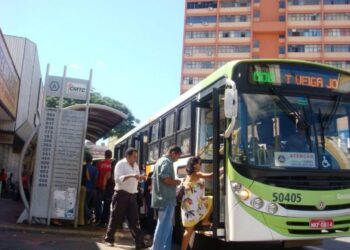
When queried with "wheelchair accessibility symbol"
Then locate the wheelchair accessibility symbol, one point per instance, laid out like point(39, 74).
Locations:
point(54, 86)
point(326, 161)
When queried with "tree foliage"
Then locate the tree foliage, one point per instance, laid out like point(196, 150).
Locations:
point(97, 98)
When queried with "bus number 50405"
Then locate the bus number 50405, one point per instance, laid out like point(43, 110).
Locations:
point(288, 197)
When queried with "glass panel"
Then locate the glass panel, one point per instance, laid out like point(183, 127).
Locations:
point(166, 143)
point(278, 132)
point(153, 152)
point(155, 132)
point(169, 126)
point(184, 141)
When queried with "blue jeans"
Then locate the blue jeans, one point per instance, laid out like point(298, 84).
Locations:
point(164, 231)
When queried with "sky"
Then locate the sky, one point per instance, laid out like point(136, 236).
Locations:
point(133, 47)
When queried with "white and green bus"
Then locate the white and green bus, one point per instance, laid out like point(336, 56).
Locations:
point(280, 130)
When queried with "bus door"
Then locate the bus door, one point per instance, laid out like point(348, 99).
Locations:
point(210, 148)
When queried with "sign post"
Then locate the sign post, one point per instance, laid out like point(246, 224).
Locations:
point(60, 152)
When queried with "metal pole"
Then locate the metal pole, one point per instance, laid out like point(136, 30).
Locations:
point(54, 148)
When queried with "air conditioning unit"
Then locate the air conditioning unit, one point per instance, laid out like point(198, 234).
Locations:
point(205, 23)
point(210, 8)
point(190, 24)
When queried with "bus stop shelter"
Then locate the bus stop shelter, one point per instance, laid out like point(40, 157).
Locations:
point(101, 120)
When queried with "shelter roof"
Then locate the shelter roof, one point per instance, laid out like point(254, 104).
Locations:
point(102, 119)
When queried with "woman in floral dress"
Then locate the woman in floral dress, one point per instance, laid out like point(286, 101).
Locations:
point(195, 206)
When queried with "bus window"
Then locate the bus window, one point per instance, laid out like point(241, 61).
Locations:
point(205, 137)
point(166, 143)
point(168, 126)
point(184, 130)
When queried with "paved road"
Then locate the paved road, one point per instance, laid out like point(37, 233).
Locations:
point(330, 244)
point(22, 240)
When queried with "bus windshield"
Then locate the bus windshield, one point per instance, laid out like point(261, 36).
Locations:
point(284, 132)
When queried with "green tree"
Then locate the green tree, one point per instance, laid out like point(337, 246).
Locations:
point(97, 98)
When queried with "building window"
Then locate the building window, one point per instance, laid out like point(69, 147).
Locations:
point(337, 16)
point(200, 19)
point(256, 14)
point(234, 4)
point(304, 17)
point(234, 33)
point(337, 48)
point(282, 4)
point(199, 65)
point(303, 2)
point(304, 32)
point(234, 49)
point(310, 48)
point(234, 19)
point(282, 50)
point(339, 64)
point(256, 44)
point(282, 18)
point(336, 2)
point(202, 5)
point(337, 32)
point(192, 50)
point(191, 80)
point(199, 34)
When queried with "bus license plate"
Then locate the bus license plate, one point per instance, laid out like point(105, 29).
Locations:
point(315, 223)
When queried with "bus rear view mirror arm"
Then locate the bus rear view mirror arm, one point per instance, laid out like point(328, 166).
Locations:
point(230, 105)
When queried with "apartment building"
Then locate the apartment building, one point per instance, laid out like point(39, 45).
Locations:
point(223, 30)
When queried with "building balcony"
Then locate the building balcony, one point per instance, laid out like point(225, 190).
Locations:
point(193, 41)
point(336, 7)
point(229, 56)
point(236, 25)
point(239, 25)
point(337, 39)
point(234, 40)
point(304, 24)
point(337, 23)
point(304, 55)
point(235, 10)
point(200, 26)
point(337, 55)
point(303, 8)
point(304, 39)
point(199, 72)
point(198, 56)
point(206, 11)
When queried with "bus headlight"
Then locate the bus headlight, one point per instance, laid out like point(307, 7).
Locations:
point(236, 187)
point(257, 203)
point(244, 194)
point(272, 208)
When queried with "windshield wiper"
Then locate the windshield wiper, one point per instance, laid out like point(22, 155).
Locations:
point(290, 108)
point(327, 119)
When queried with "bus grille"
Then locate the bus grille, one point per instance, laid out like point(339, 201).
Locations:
point(313, 208)
point(307, 182)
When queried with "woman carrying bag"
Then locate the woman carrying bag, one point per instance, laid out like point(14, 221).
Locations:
point(195, 206)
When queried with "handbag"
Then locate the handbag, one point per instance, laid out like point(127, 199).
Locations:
point(180, 192)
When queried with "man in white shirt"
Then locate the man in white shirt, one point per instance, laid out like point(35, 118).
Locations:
point(124, 203)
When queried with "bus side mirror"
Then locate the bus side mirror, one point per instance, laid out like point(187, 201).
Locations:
point(230, 105)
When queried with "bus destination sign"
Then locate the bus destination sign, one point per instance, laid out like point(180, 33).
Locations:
point(290, 74)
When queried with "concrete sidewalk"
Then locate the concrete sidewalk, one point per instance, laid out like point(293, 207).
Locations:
point(10, 210)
